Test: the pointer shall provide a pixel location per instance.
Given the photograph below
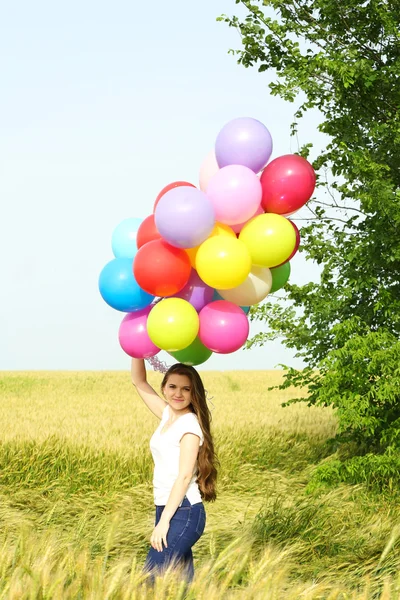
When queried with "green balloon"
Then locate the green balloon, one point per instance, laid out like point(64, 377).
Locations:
point(195, 354)
point(280, 276)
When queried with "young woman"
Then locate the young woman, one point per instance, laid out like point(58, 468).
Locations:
point(184, 465)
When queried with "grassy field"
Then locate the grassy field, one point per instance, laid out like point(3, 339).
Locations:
point(76, 509)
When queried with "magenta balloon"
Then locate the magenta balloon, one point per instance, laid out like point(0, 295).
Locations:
point(196, 292)
point(133, 336)
point(288, 182)
point(244, 141)
point(184, 217)
point(235, 192)
point(224, 327)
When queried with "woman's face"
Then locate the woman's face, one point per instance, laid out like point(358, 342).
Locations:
point(178, 391)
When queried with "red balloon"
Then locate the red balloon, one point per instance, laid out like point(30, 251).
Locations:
point(287, 183)
point(169, 187)
point(161, 269)
point(147, 232)
point(297, 244)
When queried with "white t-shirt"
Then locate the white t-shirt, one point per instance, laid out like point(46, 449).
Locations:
point(165, 448)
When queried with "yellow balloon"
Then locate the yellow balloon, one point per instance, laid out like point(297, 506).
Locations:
point(254, 289)
point(173, 324)
point(219, 229)
point(223, 262)
point(269, 238)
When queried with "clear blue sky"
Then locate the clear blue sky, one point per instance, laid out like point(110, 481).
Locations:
point(101, 105)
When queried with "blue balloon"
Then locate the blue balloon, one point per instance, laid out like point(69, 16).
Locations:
point(245, 309)
point(119, 287)
point(123, 239)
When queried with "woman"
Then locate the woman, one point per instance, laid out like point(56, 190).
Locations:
point(184, 465)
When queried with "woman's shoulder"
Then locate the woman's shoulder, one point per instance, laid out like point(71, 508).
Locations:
point(193, 416)
point(192, 420)
point(191, 424)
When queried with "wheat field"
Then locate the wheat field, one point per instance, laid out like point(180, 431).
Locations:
point(77, 512)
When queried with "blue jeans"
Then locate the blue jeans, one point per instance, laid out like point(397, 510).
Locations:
point(186, 528)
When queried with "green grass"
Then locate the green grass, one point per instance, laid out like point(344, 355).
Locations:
point(76, 507)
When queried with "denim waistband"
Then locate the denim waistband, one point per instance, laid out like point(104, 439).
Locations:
point(185, 503)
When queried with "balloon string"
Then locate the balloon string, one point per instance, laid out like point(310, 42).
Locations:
point(209, 398)
point(157, 364)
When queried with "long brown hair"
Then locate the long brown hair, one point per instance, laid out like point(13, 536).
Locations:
point(207, 458)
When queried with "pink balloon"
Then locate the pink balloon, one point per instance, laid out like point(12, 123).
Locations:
point(196, 292)
point(238, 228)
point(133, 336)
point(209, 167)
point(224, 327)
point(235, 192)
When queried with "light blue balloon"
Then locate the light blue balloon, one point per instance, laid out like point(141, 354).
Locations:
point(123, 239)
point(119, 287)
point(245, 309)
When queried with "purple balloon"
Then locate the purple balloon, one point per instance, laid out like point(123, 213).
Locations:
point(184, 217)
point(196, 292)
point(244, 141)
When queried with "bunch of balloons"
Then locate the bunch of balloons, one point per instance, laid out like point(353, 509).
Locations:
point(188, 274)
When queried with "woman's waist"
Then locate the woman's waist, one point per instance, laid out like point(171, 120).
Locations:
point(163, 478)
point(185, 504)
point(161, 494)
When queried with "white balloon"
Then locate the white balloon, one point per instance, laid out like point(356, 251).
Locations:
point(254, 289)
point(209, 167)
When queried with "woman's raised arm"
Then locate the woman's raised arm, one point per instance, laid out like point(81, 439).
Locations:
point(149, 396)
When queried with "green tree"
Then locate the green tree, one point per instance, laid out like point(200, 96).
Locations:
point(342, 58)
